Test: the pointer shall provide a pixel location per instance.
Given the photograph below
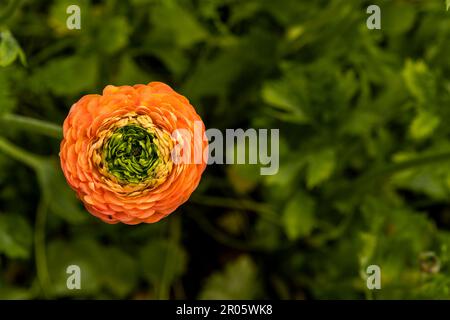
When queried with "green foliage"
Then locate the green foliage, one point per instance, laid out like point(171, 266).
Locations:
point(177, 23)
point(52, 182)
point(364, 173)
point(239, 280)
point(320, 167)
point(67, 75)
point(7, 99)
point(9, 49)
point(15, 236)
point(298, 216)
point(162, 261)
point(101, 267)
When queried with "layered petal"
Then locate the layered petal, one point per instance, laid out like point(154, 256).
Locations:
point(120, 149)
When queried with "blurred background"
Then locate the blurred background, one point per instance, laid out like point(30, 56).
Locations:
point(364, 149)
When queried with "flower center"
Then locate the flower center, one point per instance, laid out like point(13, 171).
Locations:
point(131, 155)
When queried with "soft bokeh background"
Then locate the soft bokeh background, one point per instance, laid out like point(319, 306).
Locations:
point(364, 148)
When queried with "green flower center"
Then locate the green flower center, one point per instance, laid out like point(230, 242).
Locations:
point(131, 155)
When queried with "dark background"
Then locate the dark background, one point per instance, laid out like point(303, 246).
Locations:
point(364, 149)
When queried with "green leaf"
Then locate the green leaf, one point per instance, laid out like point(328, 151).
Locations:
point(15, 293)
point(368, 246)
point(320, 167)
point(276, 94)
point(239, 280)
point(9, 49)
point(291, 164)
point(448, 4)
point(243, 10)
point(218, 73)
point(113, 35)
point(299, 216)
point(8, 100)
point(286, 175)
point(62, 199)
point(268, 235)
point(395, 238)
point(423, 125)
point(243, 177)
point(118, 271)
point(82, 253)
point(428, 180)
point(419, 81)
point(173, 20)
point(101, 267)
point(397, 18)
point(130, 73)
point(68, 75)
point(173, 57)
point(279, 95)
point(15, 236)
point(227, 70)
point(162, 262)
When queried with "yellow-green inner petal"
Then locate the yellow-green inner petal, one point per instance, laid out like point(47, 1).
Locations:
point(131, 155)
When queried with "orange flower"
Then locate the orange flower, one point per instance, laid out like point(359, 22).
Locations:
point(118, 152)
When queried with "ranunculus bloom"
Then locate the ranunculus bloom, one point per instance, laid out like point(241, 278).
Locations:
point(117, 152)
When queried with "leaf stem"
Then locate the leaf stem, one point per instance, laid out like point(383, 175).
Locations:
point(387, 170)
point(34, 125)
point(163, 289)
point(241, 204)
point(50, 50)
point(9, 11)
point(222, 237)
point(21, 155)
point(36, 163)
point(39, 245)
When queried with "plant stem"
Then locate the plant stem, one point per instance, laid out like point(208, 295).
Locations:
point(19, 154)
point(391, 168)
point(11, 7)
point(360, 185)
point(223, 237)
point(365, 180)
point(50, 50)
point(241, 204)
point(36, 163)
point(33, 125)
point(163, 289)
point(39, 245)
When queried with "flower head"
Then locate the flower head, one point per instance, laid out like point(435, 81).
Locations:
point(118, 152)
